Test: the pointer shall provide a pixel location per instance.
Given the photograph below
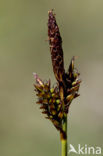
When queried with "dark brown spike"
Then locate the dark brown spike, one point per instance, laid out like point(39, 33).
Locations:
point(55, 42)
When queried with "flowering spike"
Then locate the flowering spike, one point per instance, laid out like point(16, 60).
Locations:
point(55, 42)
point(49, 101)
point(72, 84)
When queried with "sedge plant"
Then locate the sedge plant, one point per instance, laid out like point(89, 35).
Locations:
point(55, 101)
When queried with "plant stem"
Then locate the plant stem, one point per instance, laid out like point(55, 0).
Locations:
point(63, 133)
point(64, 139)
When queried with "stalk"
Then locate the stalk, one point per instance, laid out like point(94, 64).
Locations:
point(63, 133)
point(64, 140)
point(55, 101)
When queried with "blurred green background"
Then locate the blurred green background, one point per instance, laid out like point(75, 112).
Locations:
point(23, 50)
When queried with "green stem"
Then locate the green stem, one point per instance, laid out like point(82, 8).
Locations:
point(64, 139)
point(63, 133)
